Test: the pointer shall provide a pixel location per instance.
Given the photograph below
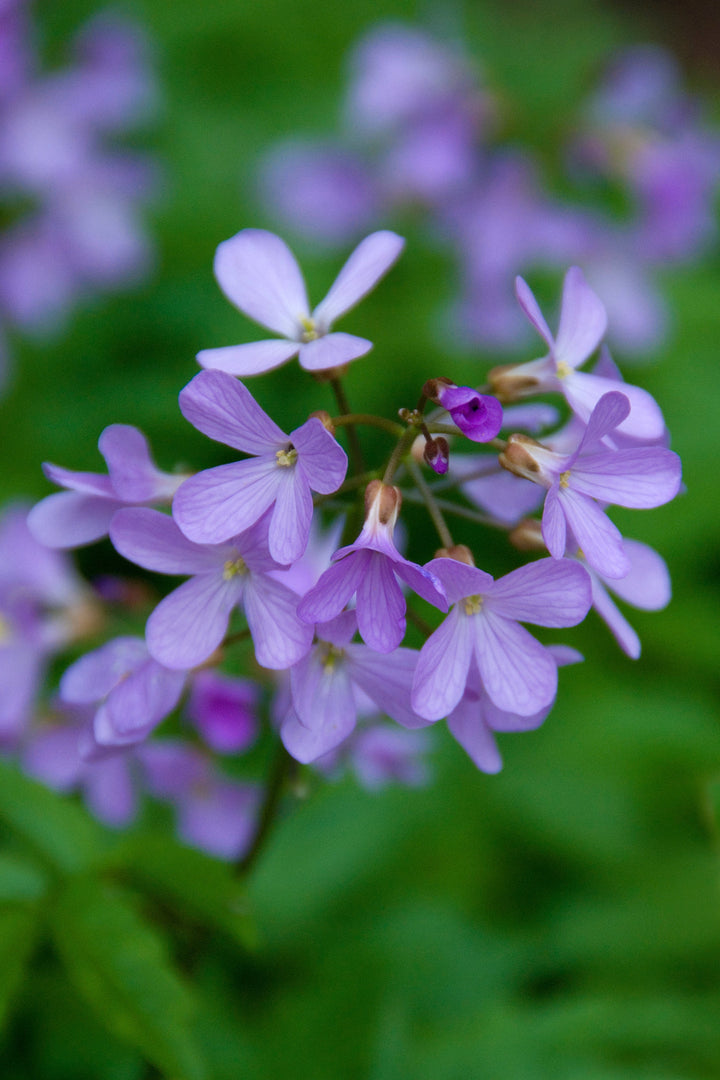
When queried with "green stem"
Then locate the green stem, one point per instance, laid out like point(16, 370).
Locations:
point(404, 443)
point(349, 420)
point(353, 440)
point(431, 504)
point(281, 771)
point(454, 508)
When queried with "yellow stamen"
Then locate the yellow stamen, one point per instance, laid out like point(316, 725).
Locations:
point(329, 655)
point(286, 458)
point(565, 479)
point(473, 605)
point(309, 331)
point(233, 567)
point(562, 370)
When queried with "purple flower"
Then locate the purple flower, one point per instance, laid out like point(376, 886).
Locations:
point(482, 632)
point(370, 568)
point(478, 416)
point(224, 711)
point(476, 716)
point(222, 502)
point(259, 274)
point(325, 687)
point(595, 473)
point(133, 690)
point(189, 624)
point(83, 513)
point(214, 813)
point(646, 586)
point(582, 325)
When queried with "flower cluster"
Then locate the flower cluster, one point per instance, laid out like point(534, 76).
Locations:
point(325, 615)
point(420, 130)
point(84, 230)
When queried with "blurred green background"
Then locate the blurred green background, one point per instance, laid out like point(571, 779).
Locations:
point(559, 920)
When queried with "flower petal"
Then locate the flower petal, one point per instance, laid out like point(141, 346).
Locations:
point(647, 583)
point(280, 638)
point(583, 320)
point(322, 693)
point(519, 675)
point(259, 274)
point(253, 358)
point(93, 676)
point(600, 540)
point(332, 350)
point(443, 666)
point(144, 698)
point(334, 588)
point(643, 478)
point(369, 262)
point(530, 307)
point(380, 606)
point(225, 410)
point(189, 624)
point(218, 503)
point(291, 517)
point(467, 724)
point(554, 525)
point(387, 681)
point(620, 628)
point(321, 458)
point(549, 592)
point(69, 519)
point(153, 540)
point(306, 745)
point(583, 391)
point(133, 473)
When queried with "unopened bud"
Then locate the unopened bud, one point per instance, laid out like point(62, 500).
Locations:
point(527, 536)
point(437, 454)
point(324, 418)
point(382, 502)
point(510, 383)
point(459, 552)
point(331, 373)
point(434, 387)
point(517, 457)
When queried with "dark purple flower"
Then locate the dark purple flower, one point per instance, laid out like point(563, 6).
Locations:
point(218, 503)
point(224, 711)
point(478, 416)
point(370, 568)
point(259, 275)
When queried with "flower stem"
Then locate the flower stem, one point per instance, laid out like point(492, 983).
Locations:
point(282, 769)
point(431, 504)
point(353, 440)
point(404, 443)
point(349, 420)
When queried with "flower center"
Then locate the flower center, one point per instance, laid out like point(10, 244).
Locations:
point(5, 631)
point(473, 605)
point(562, 370)
point(310, 332)
point(233, 567)
point(286, 458)
point(564, 479)
point(329, 654)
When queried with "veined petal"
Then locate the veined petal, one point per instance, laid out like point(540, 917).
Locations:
point(259, 274)
point(531, 308)
point(369, 262)
point(335, 587)
point(595, 533)
point(380, 606)
point(145, 697)
point(620, 628)
point(133, 472)
point(609, 412)
point(253, 358)
point(280, 638)
point(321, 458)
point(641, 479)
point(549, 592)
point(554, 525)
point(291, 517)
point(306, 745)
point(422, 581)
point(189, 624)
point(519, 675)
point(93, 676)
point(219, 503)
point(458, 579)
point(332, 350)
point(647, 583)
point(225, 410)
point(69, 519)
point(467, 724)
point(442, 669)
point(583, 391)
point(321, 692)
point(583, 320)
point(85, 482)
point(153, 540)
point(387, 680)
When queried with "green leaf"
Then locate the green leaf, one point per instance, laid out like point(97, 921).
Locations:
point(20, 879)
point(204, 888)
point(119, 965)
point(18, 934)
point(57, 829)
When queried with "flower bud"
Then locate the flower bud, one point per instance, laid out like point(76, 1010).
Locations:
point(527, 536)
point(382, 503)
point(324, 418)
point(517, 457)
point(459, 552)
point(436, 454)
point(434, 387)
point(510, 383)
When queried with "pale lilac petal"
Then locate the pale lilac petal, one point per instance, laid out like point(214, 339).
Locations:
point(322, 693)
point(621, 629)
point(306, 745)
point(280, 638)
point(640, 479)
point(548, 593)
point(519, 675)
point(380, 606)
point(225, 410)
point(554, 525)
point(340, 630)
point(145, 697)
point(218, 503)
point(253, 358)
point(69, 519)
point(595, 533)
point(321, 458)
point(259, 274)
point(458, 579)
point(291, 517)
point(85, 482)
point(153, 540)
point(219, 818)
point(531, 416)
point(583, 391)
point(468, 725)
point(332, 350)
point(609, 412)
point(387, 681)
point(506, 497)
point(583, 320)
point(647, 583)
point(109, 791)
point(133, 472)
point(422, 581)
point(443, 667)
point(93, 676)
point(335, 587)
point(107, 740)
point(189, 624)
point(52, 756)
point(563, 655)
point(369, 262)
point(21, 676)
point(499, 720)
point(532, 310)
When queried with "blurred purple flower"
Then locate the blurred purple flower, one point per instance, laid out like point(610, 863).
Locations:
point(224, 711)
